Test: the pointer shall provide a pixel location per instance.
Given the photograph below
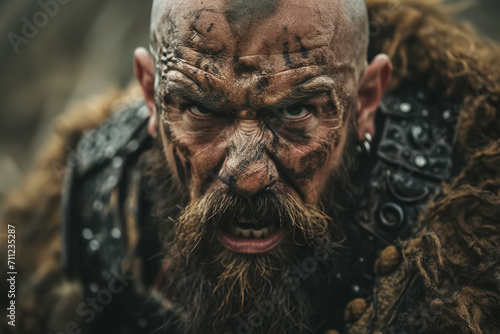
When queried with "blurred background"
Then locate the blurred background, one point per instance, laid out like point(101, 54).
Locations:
point(56, 52)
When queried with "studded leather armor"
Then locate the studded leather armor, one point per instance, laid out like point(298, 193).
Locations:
point(109, 235)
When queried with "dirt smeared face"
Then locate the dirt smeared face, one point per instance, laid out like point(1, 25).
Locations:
point(256, 107)
point(254, 99)
point(254, 104)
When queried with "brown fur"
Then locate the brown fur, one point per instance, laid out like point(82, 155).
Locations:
point(458, 245)
point(425, 43)
point(457, 253)
point(35, 211)
point(456, 256)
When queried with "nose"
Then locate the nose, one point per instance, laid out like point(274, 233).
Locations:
point(248, 175)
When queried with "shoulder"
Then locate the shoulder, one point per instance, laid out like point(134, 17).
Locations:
point(101, 177)
point(448, 277)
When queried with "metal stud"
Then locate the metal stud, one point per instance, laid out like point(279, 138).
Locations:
point(87, 234)
point(446, 115)
point(116, 233)
point(98, 205)
point(117, 162)
point(133, 145)
point(109, 151)
point(416, 131)
point(112, 181)
point(420, 161)
point(94, 245)
point(405, 107)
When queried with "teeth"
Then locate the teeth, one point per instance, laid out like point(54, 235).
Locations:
point(257, 233)
point(238, 231)
point(265, 232)
point(245, 233)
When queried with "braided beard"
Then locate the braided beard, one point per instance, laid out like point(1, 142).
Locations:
point(215, 290)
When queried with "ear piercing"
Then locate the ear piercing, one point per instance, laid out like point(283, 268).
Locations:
point(366, 145)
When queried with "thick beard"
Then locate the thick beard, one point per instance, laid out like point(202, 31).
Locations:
point(214, 290)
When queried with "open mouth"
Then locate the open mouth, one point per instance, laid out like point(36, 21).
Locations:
point(249, 237)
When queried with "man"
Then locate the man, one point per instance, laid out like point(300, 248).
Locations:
point(255, 187)
point(256, 113)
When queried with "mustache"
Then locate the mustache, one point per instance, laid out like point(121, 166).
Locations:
point(305, 224)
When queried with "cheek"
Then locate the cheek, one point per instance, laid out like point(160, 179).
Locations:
point(309, 166)
point(305, 158)
point(206, 162)
point(300, 162)
point(196, 155)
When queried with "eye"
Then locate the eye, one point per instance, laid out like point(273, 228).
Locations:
point(295, 112)
point(199, 111)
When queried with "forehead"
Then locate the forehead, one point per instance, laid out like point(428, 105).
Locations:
point(254, 58)
point(237, 28)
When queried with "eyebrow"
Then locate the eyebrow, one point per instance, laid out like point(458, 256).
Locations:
point(185, 90)
point(192, 91)
point(303, 94)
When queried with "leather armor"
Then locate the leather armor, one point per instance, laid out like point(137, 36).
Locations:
point(108, 230)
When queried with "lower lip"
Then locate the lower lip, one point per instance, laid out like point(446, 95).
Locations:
point(250, 246)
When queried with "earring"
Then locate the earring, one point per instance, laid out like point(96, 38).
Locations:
point(366, 145)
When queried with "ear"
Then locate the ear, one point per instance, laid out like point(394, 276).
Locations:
point(372, 86)
point(145, 73)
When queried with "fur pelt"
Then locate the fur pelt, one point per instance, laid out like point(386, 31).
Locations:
point(424, 43)
point(35, 210)
point(456, 254)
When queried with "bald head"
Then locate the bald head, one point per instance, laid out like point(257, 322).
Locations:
point(341, 24)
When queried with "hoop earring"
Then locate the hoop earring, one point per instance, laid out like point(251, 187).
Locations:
point(366, 146)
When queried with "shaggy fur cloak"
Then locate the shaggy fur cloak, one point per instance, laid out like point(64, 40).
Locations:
point(455, 255)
